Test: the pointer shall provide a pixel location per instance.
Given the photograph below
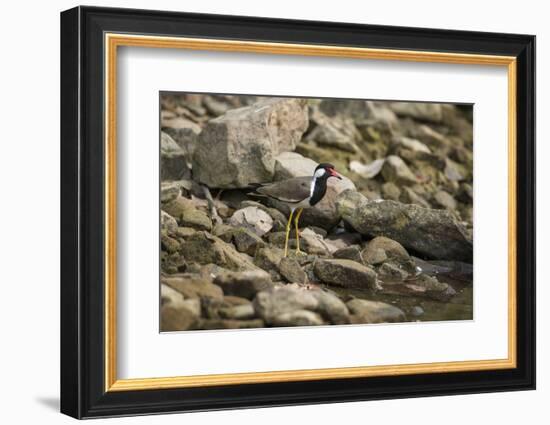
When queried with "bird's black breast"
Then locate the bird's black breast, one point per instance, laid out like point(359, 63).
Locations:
point(319, 190)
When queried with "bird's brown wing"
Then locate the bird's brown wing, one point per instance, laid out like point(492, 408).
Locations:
point(292, 190)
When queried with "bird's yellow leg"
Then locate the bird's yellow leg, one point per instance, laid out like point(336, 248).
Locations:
point(289, 222)
point(296, 218)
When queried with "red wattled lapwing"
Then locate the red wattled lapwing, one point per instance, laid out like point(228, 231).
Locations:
point(299, 193)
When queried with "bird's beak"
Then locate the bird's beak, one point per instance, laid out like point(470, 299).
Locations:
point(333, 173)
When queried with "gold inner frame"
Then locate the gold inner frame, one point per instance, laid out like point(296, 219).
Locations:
point(113, 41)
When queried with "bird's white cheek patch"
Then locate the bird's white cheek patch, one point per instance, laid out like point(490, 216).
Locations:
point(320, 172)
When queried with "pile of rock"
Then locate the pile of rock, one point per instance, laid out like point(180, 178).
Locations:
point(407, 190)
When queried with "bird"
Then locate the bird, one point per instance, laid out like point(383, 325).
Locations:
point(299, 193)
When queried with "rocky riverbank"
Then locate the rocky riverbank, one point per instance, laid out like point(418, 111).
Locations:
point(390, 242)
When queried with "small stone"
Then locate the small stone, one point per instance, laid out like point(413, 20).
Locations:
point(365, 311)
point(169, 244)
point(185, 232)
point(345, 273)
point(268, 259)
point(290, 269)
point(417, 311)
point(409, 196)
point(244, 284)
point(444, 200)
point(392, 271)
point(350, 253)
point(253, 219)
point(367, 171)
point(298, 318)
point(212, 324)
point(422, 111)
point(391, 191)
point(374, 256)
point(238, 312)
point(177, 319)
point(169, 191)
point(412, 144)
point(168, 223)
point(395, 170)
point(192, 286)
point(192, 217)
point(247, 241)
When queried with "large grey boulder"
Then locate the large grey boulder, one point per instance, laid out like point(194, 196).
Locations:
point(239, 147)
point(436, 234)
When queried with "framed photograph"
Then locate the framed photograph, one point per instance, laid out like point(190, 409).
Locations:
point(261, 212)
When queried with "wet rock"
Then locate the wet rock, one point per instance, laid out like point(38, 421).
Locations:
point(345, 273)
point(395, 170)
point(421, 111)
point(323, 214)
point(168, 224)
point(397, 262)
point(245, 284)
point(173, 162)
point(297, 318)
point(365, 311)
point(444, 200)
point(205, 248)
point(192, 286)
point(291, 270)
point(252, 218)
point(421, 286)
point(392, 271)
point(239, 147)
point(417, 311)
point(434, 233)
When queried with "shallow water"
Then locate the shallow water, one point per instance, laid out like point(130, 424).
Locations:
point(459, 307)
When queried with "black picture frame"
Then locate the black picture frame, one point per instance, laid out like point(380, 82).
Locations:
point(82, 206)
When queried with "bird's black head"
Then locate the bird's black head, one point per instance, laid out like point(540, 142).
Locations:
point(326, 170)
